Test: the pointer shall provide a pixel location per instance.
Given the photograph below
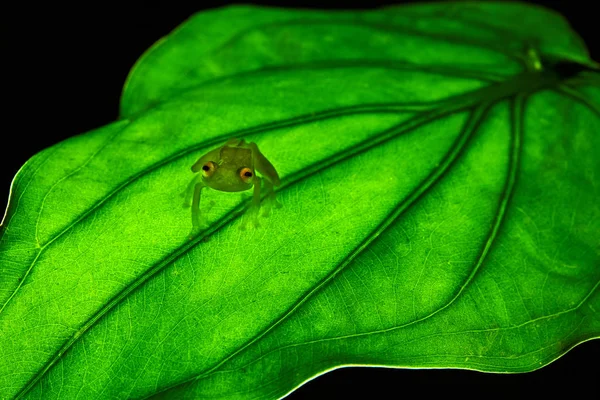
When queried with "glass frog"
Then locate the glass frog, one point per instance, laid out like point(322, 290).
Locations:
point(232, 168)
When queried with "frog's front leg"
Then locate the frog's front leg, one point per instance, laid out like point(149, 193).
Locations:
point(270, 200)
point(197, 220)
point(189, 191)
point(252, 212)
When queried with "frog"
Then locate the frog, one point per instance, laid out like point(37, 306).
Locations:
point(233, 167)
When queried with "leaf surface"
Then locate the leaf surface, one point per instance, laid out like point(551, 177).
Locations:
point(439, 183)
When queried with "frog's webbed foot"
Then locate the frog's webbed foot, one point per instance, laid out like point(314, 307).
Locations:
point(197, 229)
point(270, 201)
point(250, 215)
point(254, 210)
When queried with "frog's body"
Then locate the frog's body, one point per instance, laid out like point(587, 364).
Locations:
point(232, 168)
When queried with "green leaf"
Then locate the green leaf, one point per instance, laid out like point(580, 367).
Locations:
point(440, 189)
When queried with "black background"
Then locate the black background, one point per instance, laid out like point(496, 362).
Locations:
point(63, 68)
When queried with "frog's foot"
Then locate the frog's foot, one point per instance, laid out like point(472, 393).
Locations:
point(275, 203)
point(198, 229)
point(250, 215)
point(266, 209)
point(269, 203)
point(255, 223)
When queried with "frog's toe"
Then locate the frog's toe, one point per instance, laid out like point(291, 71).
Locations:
point(273, 202)
point(202, 226)
point(243, 225)
point(194, 232)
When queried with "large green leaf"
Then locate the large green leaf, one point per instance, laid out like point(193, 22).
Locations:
point(440, 187)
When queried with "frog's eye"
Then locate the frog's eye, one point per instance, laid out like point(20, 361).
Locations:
point(246, 174)
point(208, 169)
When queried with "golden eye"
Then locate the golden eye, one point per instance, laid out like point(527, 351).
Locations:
point(208, 169)
point(246, 174)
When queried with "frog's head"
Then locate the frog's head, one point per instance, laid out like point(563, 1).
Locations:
point(233, 172)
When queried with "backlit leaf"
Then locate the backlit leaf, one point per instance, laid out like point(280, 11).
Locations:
point(440, 192)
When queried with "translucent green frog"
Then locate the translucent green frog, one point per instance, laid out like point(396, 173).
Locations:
point(232, 168)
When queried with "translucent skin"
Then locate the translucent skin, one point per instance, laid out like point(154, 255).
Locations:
point(232, 168)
